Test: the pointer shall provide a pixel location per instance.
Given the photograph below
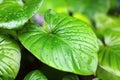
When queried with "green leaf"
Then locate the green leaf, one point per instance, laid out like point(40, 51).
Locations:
point(95, 79)
point(9, 58)
point(105, 22)
point(109, 28)
point(109, 53)
point(51, 73)
point(14, 13)
point(59, 6)
point(104, 75)
point(71, 77)
point(65, 43)
point(114, 4)
point(35, 75)
point(89, 7)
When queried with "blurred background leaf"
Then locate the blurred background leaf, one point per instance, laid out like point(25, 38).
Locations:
point(104, 75)
point(89, 7)
point(70, 77)
point(59, 6)
point(35, 75)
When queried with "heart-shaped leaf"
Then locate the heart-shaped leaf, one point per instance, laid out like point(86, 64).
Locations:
point(65, 43)
point(109, 53)
point(9, 58)
point(109, 28)
point(35, 75)
point(14, 13)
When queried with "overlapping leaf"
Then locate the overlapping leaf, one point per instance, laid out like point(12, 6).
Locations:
point(105, 75)
point(35, 75)
point(65, 43)
point(14, 13)
point(9, 58)
point(109, 53)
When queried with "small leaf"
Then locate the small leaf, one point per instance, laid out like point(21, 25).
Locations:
point(95, 79)
point(9, 58)
point(35, 75)
point(14, 13)
point(66, 43)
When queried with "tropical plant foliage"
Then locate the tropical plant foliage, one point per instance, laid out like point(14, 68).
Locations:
point(76, 37)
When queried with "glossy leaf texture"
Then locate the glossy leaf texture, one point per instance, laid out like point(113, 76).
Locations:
point(104, 75)
point(65, 43)
point(109, 53)
point(89, 7)
point(35, 75)
point(9, 58)
point(14, 13)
